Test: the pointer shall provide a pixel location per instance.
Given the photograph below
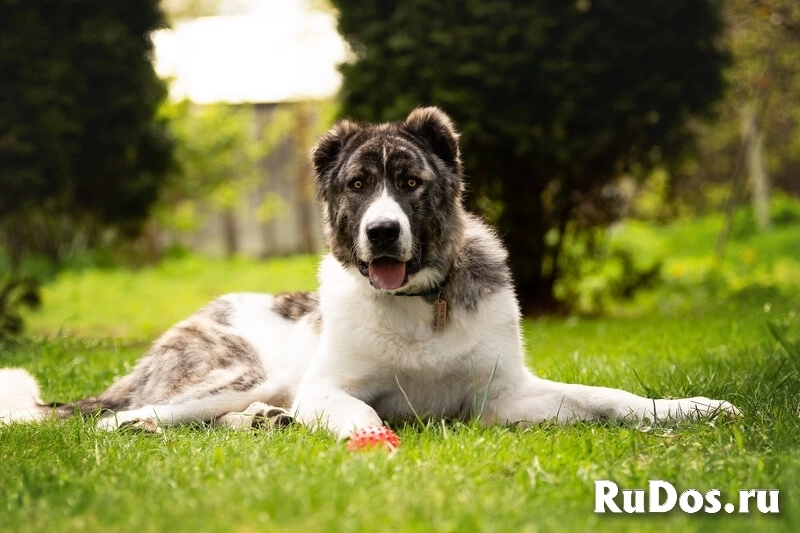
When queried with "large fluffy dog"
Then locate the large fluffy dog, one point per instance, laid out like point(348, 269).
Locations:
point(415, 317)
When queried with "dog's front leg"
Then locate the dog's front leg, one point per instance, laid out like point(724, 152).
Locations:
point(326, 406)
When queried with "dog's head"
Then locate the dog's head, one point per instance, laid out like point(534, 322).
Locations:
point(391, 198)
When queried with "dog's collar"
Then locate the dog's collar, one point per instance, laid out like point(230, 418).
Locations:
point(437, 291)
point(436, 297)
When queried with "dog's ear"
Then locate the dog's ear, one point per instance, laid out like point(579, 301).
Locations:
point(432, 126)
point(330, 145)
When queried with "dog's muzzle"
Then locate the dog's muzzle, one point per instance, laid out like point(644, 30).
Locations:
point(387, 270)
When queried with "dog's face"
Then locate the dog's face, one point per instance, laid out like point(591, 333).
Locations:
point(391, 198)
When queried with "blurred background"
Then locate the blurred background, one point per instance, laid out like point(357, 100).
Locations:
point(633, 155)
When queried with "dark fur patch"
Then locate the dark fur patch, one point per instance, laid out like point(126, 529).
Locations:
point(220, 311)
point(235, 349)
point(295, 305)
point(240, 384)
point(436, 130)
point(480, 267)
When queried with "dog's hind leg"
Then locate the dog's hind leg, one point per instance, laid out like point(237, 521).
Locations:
point(236, 409)
point(151, 418)
point(199, 371)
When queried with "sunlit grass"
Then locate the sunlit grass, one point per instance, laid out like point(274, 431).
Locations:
point(142, 303)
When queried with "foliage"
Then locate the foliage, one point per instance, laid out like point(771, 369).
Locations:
point(555, 99)
point(764, 39)
point(87, 302)
point(79, 139)
point(16, 293)
point(217, 155)
point(636, 264)
point(603, 267)
point(757, 264)
point(227, 154)
point(191, 9)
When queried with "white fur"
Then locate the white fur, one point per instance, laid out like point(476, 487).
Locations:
point(19, 399)
point(385, 209)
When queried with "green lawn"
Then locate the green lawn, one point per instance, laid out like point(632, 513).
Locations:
point(445, 477)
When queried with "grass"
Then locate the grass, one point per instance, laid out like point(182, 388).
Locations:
point(140, 303)
point(446, 476)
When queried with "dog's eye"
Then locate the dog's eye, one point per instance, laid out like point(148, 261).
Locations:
point(412, 183)
point(356, 185)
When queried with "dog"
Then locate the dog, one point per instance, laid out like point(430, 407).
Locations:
point(416, 317)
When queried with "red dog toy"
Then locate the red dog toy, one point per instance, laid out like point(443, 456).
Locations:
point(373, 437)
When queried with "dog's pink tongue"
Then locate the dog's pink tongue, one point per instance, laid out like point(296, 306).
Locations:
point(387, 273)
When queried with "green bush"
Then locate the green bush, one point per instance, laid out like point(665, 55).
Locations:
point(637, 265)
point(16, 293)
point(605, 266)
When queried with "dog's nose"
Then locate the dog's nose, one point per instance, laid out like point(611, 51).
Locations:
point(383, 232)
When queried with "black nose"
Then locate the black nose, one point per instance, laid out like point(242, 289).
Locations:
point(383, 232)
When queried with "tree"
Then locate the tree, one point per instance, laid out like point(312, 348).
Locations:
point(79, 136)
point(764, 38)
point(554, 99)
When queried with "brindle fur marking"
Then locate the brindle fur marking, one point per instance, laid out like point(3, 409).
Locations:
point(183, 364)
point(219, 311)
point(185, 358)
point(295, 305)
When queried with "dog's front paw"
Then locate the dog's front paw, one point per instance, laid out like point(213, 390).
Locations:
point(268, 417)
point(701, 407)
point(258, 415)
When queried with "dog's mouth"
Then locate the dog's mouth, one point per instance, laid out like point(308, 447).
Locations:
point(387, 273)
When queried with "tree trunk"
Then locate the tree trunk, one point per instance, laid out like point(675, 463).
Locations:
point(759, 179)
point(750, 128)
point(230, 232)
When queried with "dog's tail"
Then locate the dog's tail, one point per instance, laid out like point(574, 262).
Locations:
point(20, 401)
point(19, 397)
